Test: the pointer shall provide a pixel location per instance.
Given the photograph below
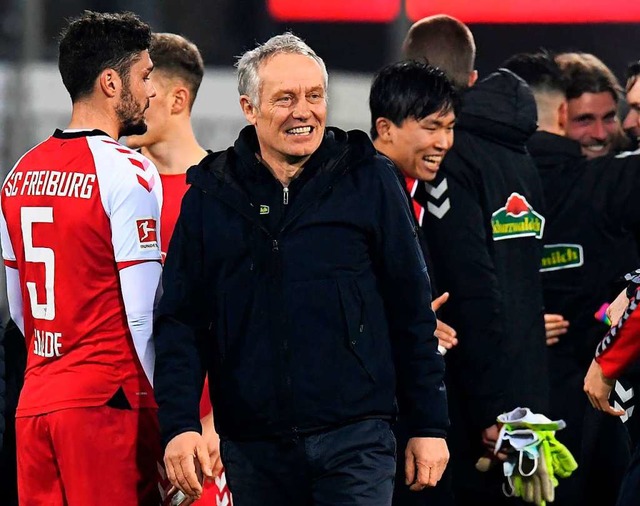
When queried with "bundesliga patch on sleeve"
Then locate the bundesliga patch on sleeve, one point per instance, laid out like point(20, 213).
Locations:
point(147, 233)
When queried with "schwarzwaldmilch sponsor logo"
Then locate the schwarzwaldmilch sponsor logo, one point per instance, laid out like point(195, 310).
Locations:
point(516, 219)
point(561, 256)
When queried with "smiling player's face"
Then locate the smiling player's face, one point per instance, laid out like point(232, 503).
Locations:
point(417, 147)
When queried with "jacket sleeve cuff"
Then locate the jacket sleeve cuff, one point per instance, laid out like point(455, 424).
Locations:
point(438, 433)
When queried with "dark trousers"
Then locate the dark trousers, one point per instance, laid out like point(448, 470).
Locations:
point(599, 442)
point(16, 358)
point(353, 465)
point(630, 489)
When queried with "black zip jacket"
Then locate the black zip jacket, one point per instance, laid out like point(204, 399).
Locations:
point(590, 238)
point(306, 321)
point(483, 226)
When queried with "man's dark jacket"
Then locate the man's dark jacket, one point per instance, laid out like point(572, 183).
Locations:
point(483, 226)
point(305, 326)
point(590, 238)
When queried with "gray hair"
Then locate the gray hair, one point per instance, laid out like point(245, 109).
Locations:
point(249, 63)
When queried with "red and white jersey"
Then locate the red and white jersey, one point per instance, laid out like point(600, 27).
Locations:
point(621, 346)
point(76, 209)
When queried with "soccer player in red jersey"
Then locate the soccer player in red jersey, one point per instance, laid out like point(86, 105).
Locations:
point(172, 146)
point(80, 241)
point(169, 140)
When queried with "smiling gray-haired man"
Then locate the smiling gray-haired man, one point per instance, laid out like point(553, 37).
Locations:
point(294, 277)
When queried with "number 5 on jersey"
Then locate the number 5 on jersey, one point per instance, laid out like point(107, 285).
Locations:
point(29, 216)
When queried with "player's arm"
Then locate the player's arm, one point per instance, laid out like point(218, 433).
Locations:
point(14, 292)
point(14, 297)
point(133, 209)
point(138, 294)
point(619, 348)
point(621, 345)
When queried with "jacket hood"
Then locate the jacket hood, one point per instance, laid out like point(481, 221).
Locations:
point(215, 168)
point(551, 150)
point(501, 108)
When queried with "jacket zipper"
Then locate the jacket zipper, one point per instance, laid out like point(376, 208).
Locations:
point(285, 195)
point(308, 204)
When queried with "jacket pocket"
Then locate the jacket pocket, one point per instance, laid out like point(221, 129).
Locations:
point(354, 316)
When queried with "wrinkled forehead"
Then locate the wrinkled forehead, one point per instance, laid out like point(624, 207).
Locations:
point(290, 71)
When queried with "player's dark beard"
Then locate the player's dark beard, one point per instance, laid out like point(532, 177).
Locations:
point(131, 118)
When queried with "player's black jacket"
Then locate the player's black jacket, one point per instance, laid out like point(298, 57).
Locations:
point(304, 313)
point(483, 226)
point(590, 237)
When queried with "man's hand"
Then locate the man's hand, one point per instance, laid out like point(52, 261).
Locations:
point(446, 335)
point(554, 326)
point(598, 387)
point(213, 443)
point(185, 455)
point(425, 460)
point(617, 307)
point(490, 439)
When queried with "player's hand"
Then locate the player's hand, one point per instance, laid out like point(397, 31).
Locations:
point(490, 439)
point(425, 460)
point(213, 443)
point(184, 457)
point(598, 387)
point(617, 307)
point(554, 326)
point(446, 334)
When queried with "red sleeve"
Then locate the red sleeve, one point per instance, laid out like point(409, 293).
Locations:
point(621, 345)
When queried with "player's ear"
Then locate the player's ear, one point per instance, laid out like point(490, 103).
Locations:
point(181, 98)
point(109, 82)
point(383, 127)
point(563, 117)
point(473, 77)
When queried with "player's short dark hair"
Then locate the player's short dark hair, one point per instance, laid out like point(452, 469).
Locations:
point(586, 73)
point(539, 70)
point(410, 89)
point(633, 73)
point(444, 42)
point(97, 41)
point(178, 57)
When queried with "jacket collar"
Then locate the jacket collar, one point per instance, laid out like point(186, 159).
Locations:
point(219, 173)
point(551, 149)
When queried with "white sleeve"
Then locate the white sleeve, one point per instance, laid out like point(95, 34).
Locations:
point(8, 254)
point(14, 292)
point(139, 284)
point(131, 194)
